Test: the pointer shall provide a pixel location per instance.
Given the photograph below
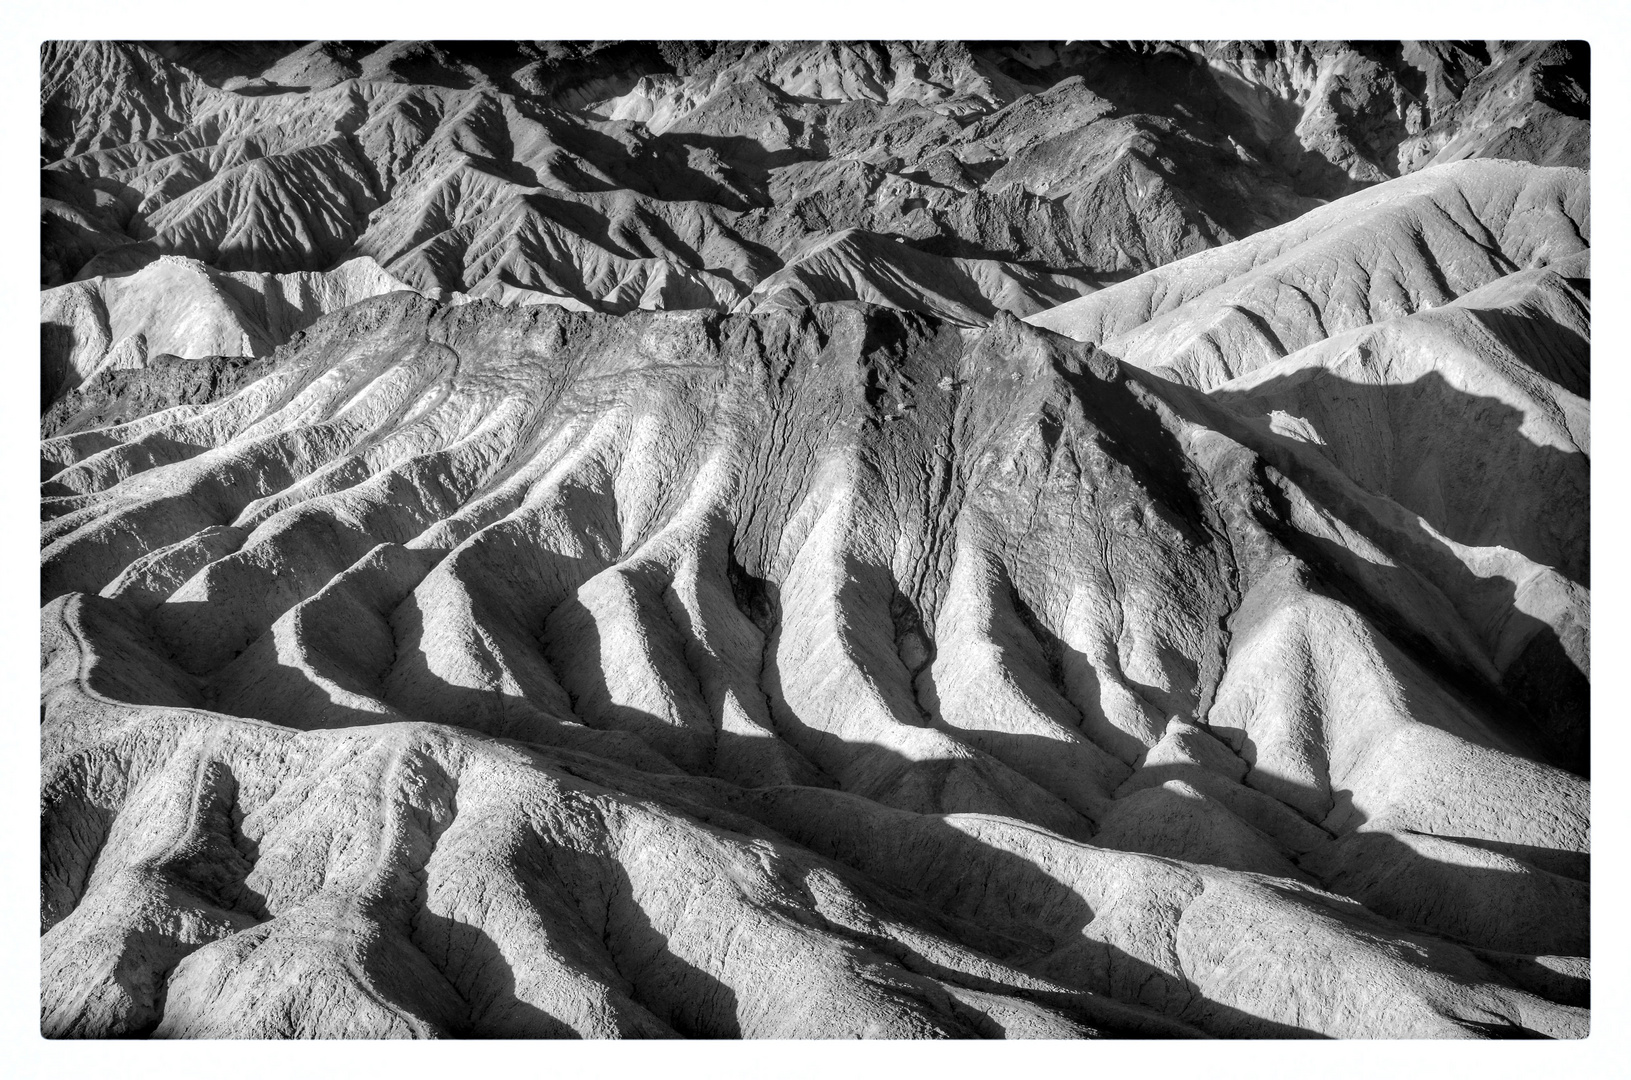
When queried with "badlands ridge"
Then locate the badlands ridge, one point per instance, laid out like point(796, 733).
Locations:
point(815, 540)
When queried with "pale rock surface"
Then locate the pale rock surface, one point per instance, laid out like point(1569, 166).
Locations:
point(731, 175)
point(522, 603)
point(181, 307)
point(575, 540)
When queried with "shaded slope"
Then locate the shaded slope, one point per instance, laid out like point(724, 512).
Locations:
point(571, 540)
point(671, 641)
point(684, 175)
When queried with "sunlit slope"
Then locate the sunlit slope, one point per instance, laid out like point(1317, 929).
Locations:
point(517, 671)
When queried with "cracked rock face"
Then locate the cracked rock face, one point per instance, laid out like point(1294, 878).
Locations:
point(450, 628)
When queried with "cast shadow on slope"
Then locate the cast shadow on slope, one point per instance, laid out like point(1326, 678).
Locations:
point(1105, 969)
point(1058, 948)
point(730, 171)
point(1394, 440)
point(1542, 701)
point(685, 1000)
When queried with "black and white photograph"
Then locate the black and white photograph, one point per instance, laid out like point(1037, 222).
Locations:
point(813, 539)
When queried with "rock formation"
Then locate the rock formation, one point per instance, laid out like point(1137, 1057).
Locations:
point(938, 177)
point(815, 540)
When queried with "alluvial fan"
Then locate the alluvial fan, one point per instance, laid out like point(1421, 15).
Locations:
point(815, 540)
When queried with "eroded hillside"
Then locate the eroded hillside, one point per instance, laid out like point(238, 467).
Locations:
point(956, 180)
point(502, 652)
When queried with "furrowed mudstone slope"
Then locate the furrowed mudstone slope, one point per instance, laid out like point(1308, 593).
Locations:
point(520, 671)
